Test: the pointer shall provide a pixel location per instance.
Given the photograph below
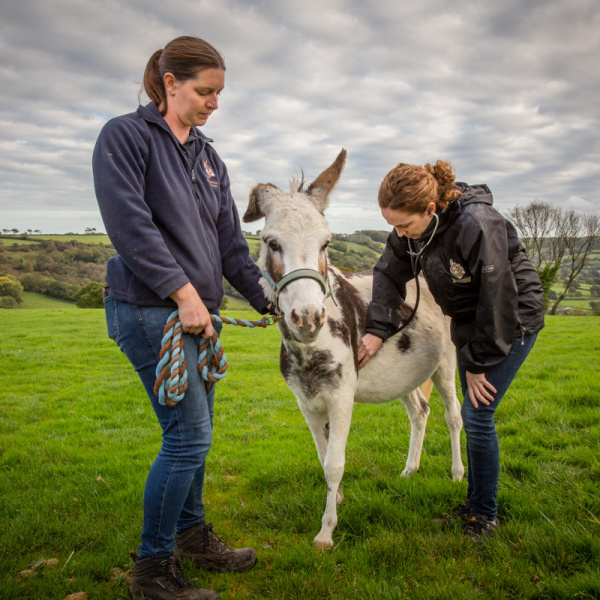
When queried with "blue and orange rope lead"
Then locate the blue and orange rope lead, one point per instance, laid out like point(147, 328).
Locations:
point(171, 371)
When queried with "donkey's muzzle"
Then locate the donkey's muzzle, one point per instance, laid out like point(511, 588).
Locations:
point(307, 322)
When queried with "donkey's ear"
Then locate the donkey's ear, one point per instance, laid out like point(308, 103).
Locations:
point(259, 199)
point(318, 190)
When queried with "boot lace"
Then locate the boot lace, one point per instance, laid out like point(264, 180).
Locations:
point(212, 540)
point(174, 571)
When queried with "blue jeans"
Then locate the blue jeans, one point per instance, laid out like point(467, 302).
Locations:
point(483, 454)
point(173, 491)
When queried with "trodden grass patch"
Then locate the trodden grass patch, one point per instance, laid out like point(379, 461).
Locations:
point(77, 437)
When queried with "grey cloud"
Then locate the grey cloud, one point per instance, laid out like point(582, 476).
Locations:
point(507, 91)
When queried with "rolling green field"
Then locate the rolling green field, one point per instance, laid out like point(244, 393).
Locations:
point(19, 257)
point(8, 241)
point(95, 238)
point(33, 300)
point(77, 437)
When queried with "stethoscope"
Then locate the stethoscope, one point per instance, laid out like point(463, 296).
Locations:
point(415, 258)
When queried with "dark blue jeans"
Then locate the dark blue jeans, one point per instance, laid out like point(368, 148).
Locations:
point(173, 491)
point(483, 454)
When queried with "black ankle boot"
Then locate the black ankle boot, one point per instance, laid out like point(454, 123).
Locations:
point(163, 579)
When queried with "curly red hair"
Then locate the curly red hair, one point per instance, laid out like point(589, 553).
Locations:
point(411, 188)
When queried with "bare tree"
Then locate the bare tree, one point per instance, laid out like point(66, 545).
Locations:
point(542, 232)
point(582, 237)
point(552, 237)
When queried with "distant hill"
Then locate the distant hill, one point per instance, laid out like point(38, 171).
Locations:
point(60, 265)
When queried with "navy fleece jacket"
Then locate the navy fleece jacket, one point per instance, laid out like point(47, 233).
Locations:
point(169, 213)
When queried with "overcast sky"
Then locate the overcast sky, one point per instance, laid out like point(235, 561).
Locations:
point(508, 91)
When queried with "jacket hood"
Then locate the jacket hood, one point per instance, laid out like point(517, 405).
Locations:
point(475, 193)
point(471, 194)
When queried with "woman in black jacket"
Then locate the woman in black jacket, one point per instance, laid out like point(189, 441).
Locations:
point(479, 274)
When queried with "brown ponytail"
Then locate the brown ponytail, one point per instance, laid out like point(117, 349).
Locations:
point(411, 188)
point(153, 84)
point(184, 57)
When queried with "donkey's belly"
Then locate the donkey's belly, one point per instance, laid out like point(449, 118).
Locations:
point(390, 375)
point(372, 390)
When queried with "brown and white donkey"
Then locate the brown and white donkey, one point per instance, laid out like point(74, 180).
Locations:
point(324, 319)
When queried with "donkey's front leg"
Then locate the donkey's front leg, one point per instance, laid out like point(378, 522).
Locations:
point(340, 416)
point(319, 427)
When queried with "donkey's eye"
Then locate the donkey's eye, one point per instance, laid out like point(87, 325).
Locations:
point(324, 247)
point(273, 245)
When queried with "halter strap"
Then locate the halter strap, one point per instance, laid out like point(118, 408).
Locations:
point(279, 286)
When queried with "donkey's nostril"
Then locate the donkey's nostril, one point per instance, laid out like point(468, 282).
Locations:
point(295, 318)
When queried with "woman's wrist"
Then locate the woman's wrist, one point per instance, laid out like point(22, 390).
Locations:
point(184, 293)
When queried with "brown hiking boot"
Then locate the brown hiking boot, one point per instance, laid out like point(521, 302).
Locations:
point(163, 579)
point(200, 544)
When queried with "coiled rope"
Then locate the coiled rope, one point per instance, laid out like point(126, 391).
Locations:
point(171, 371)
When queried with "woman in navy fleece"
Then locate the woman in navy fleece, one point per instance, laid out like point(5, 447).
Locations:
point(165, 199)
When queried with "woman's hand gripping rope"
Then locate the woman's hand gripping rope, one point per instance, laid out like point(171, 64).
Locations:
point(171, 371)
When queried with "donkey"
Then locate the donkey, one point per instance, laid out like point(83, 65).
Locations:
point(324, 319)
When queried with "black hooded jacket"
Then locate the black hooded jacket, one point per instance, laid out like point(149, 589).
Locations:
point(478, 273)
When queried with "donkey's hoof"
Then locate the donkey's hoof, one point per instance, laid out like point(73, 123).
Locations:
point(323, 544)
point(407, 472)
point(339, 497)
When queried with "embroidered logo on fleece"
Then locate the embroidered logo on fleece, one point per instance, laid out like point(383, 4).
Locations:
point(210, 174)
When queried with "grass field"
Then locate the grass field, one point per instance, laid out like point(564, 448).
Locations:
point(7, 241)
point(95, 238)
point(77, 437)
point(36, 301)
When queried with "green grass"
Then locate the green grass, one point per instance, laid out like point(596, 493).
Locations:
point(33, 300)
point(96, 238)
point(77, 437)
point(578, 302)
point(236, 304)
point(7, 241)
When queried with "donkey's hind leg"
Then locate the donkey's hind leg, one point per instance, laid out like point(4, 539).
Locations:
point(418, 411)
point(426, 389)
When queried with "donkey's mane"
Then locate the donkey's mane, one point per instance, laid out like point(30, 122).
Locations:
point(297, 185)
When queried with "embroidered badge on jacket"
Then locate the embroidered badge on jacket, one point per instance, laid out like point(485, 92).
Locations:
point(456, 269)
point(210, 174)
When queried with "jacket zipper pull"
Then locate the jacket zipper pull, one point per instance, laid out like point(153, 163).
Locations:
point(522, 337)
point(193, 177)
